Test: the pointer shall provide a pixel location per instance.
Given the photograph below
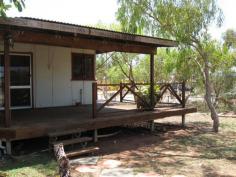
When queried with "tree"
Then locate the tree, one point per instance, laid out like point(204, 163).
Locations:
point(6, 5)
point(230, 38)
point(186, 21)
point(163, 63)
point(116, 66)
point(228, 75)
point(126, 63)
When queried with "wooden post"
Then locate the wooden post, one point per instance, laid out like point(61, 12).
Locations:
point(183, 102)
point(152, 81)
point(94, 87)
point(63, 161)
point(121, 92)
point(8, 147)
point(7, 99)
point(95, 136)
point(94, 100)
point(152, 125)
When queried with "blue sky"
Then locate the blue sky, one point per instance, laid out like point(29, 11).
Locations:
point(87, 12)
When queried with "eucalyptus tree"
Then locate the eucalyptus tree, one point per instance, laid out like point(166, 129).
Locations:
point(117, 67)
point(165, 66)
point(5, 5)
point(230, 38)
point(126, 63)
point(228, 75)
point(186, 21)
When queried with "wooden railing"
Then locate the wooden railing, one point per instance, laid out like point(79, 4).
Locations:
point(130, 88)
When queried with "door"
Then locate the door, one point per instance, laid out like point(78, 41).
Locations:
point(20, 81)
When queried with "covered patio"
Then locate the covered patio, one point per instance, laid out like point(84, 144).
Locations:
point(37, 121)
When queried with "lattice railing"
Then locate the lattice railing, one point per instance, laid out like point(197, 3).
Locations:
point(123, 89)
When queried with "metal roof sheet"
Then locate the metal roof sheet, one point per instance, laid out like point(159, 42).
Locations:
point(42, 24)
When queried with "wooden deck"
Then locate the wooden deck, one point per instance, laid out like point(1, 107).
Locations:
point(39, 122)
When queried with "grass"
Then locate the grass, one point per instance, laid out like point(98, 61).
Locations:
point(35, 165)
point(228, 125)
point(193, 151)
point(211, 146)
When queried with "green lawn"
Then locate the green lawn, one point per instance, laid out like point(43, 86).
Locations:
point(35, 165)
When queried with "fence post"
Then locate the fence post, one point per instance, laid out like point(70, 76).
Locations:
point(121, 92)
point(94, 99)
point(183, 101)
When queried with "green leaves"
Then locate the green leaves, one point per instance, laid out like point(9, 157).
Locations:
point(182, 20)
point(230, 38)
point(5, 6)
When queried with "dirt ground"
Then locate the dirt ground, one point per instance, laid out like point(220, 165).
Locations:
point(170, 151)
point(193, 151)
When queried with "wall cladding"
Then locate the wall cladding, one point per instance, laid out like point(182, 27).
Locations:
point(52, 85)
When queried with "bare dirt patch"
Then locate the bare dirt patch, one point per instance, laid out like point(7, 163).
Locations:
point(192, 151)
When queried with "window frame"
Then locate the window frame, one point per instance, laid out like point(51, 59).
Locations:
point(83, 78)
point(31, 87)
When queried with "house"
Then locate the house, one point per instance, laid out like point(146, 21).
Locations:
point(47, 69)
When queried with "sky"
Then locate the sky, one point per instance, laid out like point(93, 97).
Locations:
point(89, 12)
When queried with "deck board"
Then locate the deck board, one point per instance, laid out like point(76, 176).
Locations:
point(39, 122)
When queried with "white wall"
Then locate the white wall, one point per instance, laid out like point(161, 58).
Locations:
point(52, 76)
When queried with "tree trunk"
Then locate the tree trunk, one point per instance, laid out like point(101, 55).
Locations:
point(208, 96)
point(63, 161)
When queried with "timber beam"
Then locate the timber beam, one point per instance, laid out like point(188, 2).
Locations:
point(102, 45)
point(52, 26)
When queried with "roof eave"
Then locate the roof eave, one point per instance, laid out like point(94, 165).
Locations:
point(87, 31)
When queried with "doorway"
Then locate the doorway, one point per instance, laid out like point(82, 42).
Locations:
point(20, 81)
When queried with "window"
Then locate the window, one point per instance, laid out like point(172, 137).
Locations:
point(82, 67)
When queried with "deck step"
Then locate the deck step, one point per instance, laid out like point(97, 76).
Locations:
point(82, 151)
point(73, 141)
point(66, 132)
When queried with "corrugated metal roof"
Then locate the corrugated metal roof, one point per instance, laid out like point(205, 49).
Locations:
point(85, 26)
point(56, 26)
